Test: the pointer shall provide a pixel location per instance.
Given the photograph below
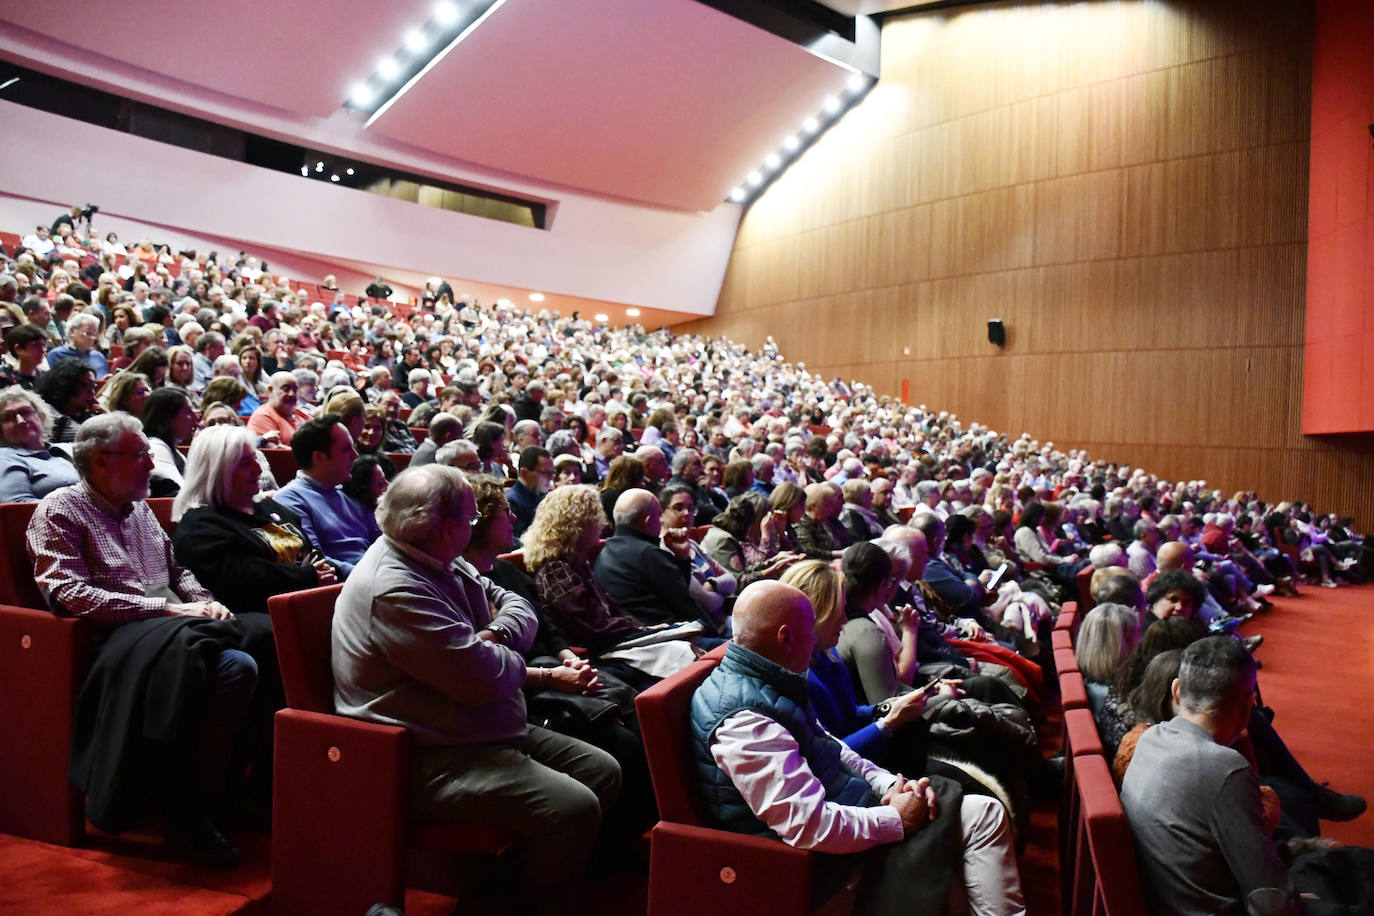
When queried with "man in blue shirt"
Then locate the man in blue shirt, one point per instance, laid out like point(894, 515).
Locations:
point(339, 525)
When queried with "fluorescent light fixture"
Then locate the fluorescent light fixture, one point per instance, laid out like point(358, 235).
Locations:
point(601, 316)
point(445, 13)
point(333, 177)
point(9, 82)
point(832, 105)
point(772, 160)
point(536, 297)
point(738, 194)
point(388, 68)
point(811, 125)
point(855, 83)
point(416, 41)
point(632, 313)
point(362, 94)
point(792, 143)
point(755, 178)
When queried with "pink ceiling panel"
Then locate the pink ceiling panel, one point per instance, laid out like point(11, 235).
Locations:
point(301, 56)
point(667, 102)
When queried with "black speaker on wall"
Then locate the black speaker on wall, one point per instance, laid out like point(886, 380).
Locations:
point(997, 332)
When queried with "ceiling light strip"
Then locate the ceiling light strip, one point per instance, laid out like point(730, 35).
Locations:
point(433, 61)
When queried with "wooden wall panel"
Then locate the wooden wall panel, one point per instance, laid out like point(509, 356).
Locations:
point(1123, 183)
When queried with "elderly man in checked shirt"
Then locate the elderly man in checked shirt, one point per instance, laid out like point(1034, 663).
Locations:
point(175, 670)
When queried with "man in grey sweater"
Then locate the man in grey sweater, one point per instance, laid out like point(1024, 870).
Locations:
point(1193, 802)
point(422, 641)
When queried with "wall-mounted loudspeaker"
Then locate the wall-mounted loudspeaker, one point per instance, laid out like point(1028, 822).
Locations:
point(997, 332)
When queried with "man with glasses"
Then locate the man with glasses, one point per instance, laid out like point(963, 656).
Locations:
point(421, 640)
point(175, 675)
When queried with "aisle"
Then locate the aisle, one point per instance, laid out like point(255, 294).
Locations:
point(1318, 675)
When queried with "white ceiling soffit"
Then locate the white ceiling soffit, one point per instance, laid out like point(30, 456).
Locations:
point(663, 102)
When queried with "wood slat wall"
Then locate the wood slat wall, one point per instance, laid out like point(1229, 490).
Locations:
point(1123, 183)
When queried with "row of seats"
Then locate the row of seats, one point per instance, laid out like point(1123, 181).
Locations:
point(1097, 865)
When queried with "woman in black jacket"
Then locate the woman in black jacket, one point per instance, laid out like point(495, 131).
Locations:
point(244, 550)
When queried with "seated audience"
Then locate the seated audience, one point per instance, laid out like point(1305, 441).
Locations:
point(443, 429)
point(366, 482)
point(279, 413)
point(534, 478)
point(333, 521)
point(1105, 638)
point(28, 470)
point(421, 640)
point(244, 549)
point(99, 553)
point(83, 333)
point(745, 539)
point(713, 586)
point(779, 774)
point(647, 579)
point(818, 534)
point(126, 392)
point(69, 388)
point(26, 346)
point(169, 422)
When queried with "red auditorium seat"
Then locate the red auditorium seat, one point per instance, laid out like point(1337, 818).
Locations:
point(1106, 880)
point(1085, 592)
point(43, 658)
point(400, 459)
point(1080, 740)
point(340, 834)
point(283, 464)
point(1060, 639)
point(905, 513)
point(696, 869)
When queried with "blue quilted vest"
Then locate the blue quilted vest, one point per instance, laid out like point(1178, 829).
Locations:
point(747, 680)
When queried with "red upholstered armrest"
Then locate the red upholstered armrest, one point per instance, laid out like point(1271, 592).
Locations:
point(698, 869)
point(1060, 639)
point(1072, 691)
point(1082, 733)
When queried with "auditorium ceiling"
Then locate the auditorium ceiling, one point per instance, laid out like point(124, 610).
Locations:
point(662, 102)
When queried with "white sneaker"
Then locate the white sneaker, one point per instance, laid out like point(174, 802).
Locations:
point(1262, 590)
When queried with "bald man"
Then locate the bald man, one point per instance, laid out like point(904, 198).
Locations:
point(1177, 555)
point(279, 414)
point(769, 769)
point(649, 581)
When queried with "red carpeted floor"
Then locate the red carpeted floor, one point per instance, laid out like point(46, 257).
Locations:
point(1318, 676)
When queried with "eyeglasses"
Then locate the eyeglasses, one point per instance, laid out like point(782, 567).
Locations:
point(142, 454)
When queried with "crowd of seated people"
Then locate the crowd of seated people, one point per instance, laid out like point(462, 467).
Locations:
point(607, 447)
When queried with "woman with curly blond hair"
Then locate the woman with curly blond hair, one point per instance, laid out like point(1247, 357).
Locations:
point(559, 546)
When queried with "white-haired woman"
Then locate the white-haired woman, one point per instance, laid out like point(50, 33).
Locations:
point(28, 471)
point(243, 549)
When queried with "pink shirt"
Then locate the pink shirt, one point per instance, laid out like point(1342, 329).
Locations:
point(764, 762)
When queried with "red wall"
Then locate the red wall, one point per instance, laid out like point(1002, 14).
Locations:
point(1338, 378)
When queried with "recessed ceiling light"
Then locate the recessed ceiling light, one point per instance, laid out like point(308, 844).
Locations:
point(350, 172)
point(388, 68)
point(811, 125)
point(633, 313)
point(319, 166)
point(362, 95)
point(756, 178)
point(832, 105)
point(855, 83)
point(773, 160)
point(305, 170)
point(792, 143)
point(536, 297)
point(738, 194)
point(445, 13)
point(416, 41)
point(333, 177)
point(601, 316)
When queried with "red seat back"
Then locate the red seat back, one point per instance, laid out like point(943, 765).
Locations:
point(302, 622)
point(283, 464)
point(162, 511)
point(400, 459)
point(17, 586)
point(663, 720)
point(1085, 593)
point(1106, 878)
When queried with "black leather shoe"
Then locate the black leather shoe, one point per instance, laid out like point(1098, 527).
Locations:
point(1338, 806)
point(198, 840)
